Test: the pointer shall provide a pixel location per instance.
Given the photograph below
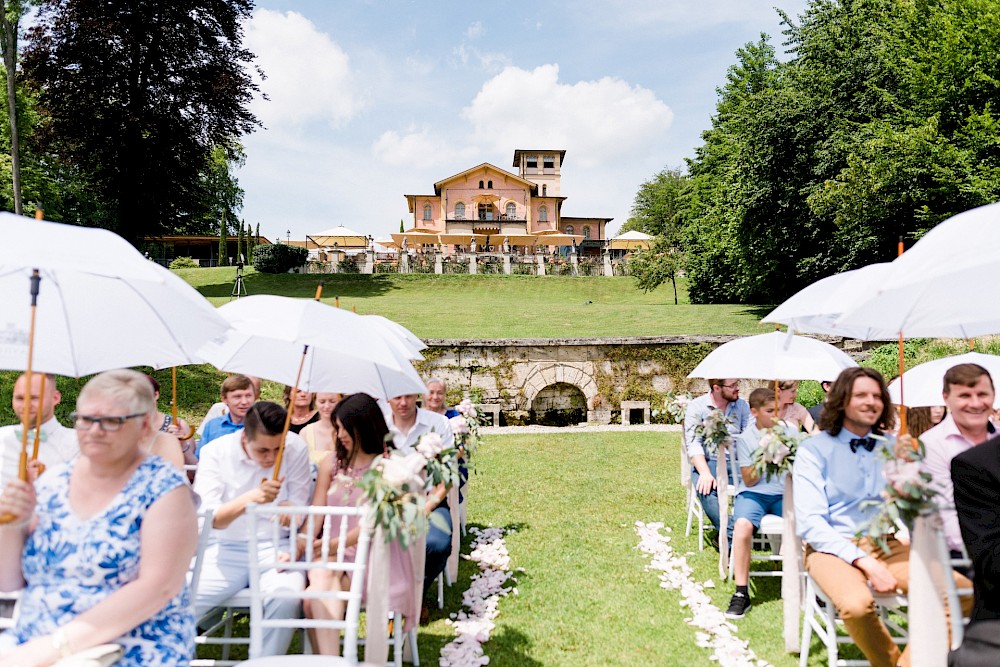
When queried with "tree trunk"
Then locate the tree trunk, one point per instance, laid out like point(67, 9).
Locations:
point(10, 64)
point(223, 233)
point(673, 279)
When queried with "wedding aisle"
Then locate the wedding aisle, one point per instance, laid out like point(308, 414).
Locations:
point(585, 597)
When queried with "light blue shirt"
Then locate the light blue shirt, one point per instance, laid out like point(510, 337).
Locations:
point(746, 443)
point(737, 416)
point(830, 483)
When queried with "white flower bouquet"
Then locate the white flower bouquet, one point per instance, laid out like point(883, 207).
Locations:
point(775, 452)
point(675, 405)
point(395, 489)
point(465, 427)
point(907, 493)
point(714, 431)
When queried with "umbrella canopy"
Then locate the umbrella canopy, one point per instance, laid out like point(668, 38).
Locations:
point(341, 236)
point(933, 288)
point(414, 238)
point(347, 353)
point(557, 239)
point(411, 343)
point(774, 356)
point(462, 238)
point(101, 304)
point(924, 382)
point(631, 241)
point(519, 240)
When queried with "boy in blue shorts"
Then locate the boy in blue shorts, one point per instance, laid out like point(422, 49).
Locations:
point(757, 497)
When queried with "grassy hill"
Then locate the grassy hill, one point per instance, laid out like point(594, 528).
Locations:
point(491, 306)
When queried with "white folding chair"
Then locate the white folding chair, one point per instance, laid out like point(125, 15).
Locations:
point(9, 602)
point(328, 522)
point(767, 537)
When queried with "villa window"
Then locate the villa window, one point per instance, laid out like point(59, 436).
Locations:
point(460, 211)
point(569, 229)
point(511, 211)
point(490, 185)
point(532, 163)
point(485, 211)
point(586, 232)
point(427, 211)
point(549, 162)
point(545, 190)
point(480, 185)
point(543, 214)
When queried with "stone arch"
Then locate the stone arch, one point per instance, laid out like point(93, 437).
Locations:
point(545, 374)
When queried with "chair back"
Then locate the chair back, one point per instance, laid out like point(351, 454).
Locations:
point(315, 527)
point(204, 537)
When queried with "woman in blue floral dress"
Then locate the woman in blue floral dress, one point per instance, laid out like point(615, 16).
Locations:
point(105, 557)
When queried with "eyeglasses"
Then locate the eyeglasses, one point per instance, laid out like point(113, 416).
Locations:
point(734, 385)
point(108, 424)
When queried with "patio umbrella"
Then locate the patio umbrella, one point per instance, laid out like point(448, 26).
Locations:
point(774, 356)
point(409, 340)
point(346, 353)
point(557, 239)
point(462, 238)
point(631, 240)
point(937, 285)
point(415, 238)
point(101, 304)
point(925, 382)
point(340, 236)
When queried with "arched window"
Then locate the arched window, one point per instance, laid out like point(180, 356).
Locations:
point(569, 229)
point(460, 211)
point(545, 190)
point(480, 185)
point(490, 185)
point(427, 211)
point(586, 232)
point(543, 214)
point(511, 210)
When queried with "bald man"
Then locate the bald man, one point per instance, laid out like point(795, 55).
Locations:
point(57, 444)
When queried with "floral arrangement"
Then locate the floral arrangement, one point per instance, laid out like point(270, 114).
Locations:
point(674, 406)
point(907, 493)
point(714, 431)
point(775, 452)
point(712, 630)
point(465, 426)
point(397, 485)
point(475, 622)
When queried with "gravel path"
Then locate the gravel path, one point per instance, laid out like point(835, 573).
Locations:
point(579, 428)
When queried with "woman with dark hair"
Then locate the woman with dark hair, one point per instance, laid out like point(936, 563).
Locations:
point(361, 438)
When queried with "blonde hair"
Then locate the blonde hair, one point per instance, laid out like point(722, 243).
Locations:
point(126, 386)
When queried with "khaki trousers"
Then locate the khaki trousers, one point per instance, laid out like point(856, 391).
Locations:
point(847, 587)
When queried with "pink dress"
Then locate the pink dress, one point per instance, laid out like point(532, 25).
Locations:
point(796, 416)
point(401, 579)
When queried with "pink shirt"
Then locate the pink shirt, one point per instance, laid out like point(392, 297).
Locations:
point(943, 443)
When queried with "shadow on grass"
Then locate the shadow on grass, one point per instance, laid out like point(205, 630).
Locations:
point(757, 311)
point(510, 648)
point(304, 285)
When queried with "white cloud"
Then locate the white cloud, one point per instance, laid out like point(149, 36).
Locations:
point(601, 121)
point(418, 148)
point(309, 77)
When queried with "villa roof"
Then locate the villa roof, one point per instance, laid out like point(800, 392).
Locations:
point(485, 165)
point(537, 151)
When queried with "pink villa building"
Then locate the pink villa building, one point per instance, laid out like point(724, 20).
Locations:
point(490, 205)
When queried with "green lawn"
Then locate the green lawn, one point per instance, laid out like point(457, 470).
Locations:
point(489, 306)
point(585, 598)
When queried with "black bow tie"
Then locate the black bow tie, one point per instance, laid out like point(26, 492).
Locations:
point(868, 443)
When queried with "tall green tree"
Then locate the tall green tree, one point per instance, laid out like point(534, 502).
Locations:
point(136, 95)
point(658, 210)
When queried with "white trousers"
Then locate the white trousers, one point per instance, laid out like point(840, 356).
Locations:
point(225, 572)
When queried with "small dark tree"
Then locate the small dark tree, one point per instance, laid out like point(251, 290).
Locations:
point(223, 233)
point(135, 94)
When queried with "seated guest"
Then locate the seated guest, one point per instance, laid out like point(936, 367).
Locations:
point(320, 434)
point(836, 473)
point(922, 419)
point(815, 410)
point(361, 432)
point(237, 470)
point(407, 423)
point(757, 497)
point(303, 409)
point(790, 412)
point(975, 474)
point(106, 555)
point(220, 408)
point(722, 395)
point(165, 442)
point(57, 444)
point(968, 394)
point(238, 394)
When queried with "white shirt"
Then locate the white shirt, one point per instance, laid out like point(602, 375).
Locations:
point(216, 410)
point(58, 445)
point(427, 421)
point(225, 471)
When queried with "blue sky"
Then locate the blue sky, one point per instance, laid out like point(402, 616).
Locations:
point(373, 100)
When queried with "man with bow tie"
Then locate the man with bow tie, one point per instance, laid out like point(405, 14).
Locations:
point(836, 472)
point(57, 444)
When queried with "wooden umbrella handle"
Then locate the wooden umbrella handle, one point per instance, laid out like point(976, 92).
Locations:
point(288, 415)
point(38, 419)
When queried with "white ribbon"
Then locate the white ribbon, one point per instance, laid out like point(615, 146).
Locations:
point(791, 585)
point(928, 569)
point(722, 483)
